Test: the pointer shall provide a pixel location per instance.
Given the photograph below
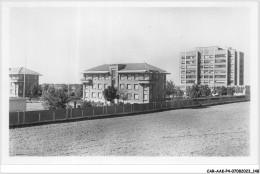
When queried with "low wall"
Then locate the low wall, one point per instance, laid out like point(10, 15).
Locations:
point(17, 104)
point(49, 116)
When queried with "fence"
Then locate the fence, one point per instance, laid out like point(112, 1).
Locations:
point(48, 116)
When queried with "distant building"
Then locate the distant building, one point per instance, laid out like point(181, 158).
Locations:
point(144, 83)
point(20, 77)
point(213, 66)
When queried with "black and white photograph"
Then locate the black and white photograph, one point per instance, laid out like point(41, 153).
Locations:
point(131, 83)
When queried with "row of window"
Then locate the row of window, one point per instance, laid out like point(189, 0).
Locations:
point(127, 76)
point(204, 81)
point(188, 57)
point(135, 96)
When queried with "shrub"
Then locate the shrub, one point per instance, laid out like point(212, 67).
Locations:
point(86, 104)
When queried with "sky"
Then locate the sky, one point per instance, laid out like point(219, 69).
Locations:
point(61, 42)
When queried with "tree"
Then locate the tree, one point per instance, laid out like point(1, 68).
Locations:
point(221, 90)
point(204, 91)
point(170, 88)
point(231, 91)
point(178, 92)
point(110, 94)
point(79, 90)
point(123, 94)
point(193, 91)
point(86, 104)
point(196, 91)
point(34, 91)
point(55, 99)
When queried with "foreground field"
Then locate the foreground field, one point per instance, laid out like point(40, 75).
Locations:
point(221, 130)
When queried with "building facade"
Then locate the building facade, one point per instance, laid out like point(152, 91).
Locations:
point(213, 66)
point(144, 83)
point(22, 81)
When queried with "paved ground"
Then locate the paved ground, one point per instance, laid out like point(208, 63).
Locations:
point(221, 130)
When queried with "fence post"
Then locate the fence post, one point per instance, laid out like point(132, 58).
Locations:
point(23, 117)
point(18, 117)
point(53, 115)
point(39, 116)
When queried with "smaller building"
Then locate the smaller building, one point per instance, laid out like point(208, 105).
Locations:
point(143, 82)
point(22, 81)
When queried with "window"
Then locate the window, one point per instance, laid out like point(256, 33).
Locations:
point(99, 86)
point(182, 57)
point(129, 86)
point(182, 81)
point(36, 77)
point(164, 86)
point(136, 97)
point(129, 76)
point(11, 91)
point(158, 86)
point(146, 77)
point(182, 62)
point(157, 76)
point(99, 95)
point(158, 96)
point(106, 76)
point(95, 77)
point(145, 97)
point(183, 67)
point(93, 95)
point(151, 96)
point(86, 94)
point(20, 91)
point(220, 76)
point(136, 76)
point(122, 76)
point(220, 66)
point(145, 88)
point(136, 86)
point(220, 71)
point(151, 86)
point(105, 86)
point(163, 96)
point(100, 77)
point(182, 72)
point(94, 86)
point(220, 60)
point(121, 86)
point(86, 87)
point(220, 55)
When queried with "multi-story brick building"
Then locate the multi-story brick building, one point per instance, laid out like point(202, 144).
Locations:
point(20, 78)
point(144, 83)
point(213, 66)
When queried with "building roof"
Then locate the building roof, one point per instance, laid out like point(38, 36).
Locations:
point(128, 67)
point(22, 70)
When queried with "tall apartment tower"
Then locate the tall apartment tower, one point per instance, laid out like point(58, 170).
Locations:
point(213, 66)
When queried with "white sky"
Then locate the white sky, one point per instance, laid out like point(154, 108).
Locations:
point(47, 36)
